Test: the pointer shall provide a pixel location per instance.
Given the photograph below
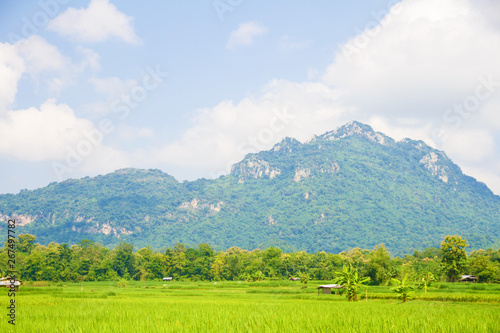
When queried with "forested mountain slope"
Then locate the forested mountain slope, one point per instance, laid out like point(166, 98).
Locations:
point(351, 187)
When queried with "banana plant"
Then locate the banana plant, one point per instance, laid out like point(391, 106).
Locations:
point(402, 288)
point(426, 281)
point(351, 281)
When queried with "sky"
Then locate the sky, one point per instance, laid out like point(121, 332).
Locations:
point(190, 87)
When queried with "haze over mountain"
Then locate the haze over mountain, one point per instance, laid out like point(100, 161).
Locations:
point(351, 187)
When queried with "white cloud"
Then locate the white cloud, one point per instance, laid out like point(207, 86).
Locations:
point(49, 68)
point(97, 23)
point(12, 66)
point(45, 64)
point(54, 133)
point(41, 56)
point(425, 59)
point(490, 113)
point(470, 146)
point(245, 34)
point(46, 132)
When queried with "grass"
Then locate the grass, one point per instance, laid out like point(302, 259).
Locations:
point(274, 306)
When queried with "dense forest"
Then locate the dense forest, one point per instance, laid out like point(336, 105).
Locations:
point(352, 187)
point(90, 261)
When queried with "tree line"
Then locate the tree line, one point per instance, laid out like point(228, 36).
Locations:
point(90, 261)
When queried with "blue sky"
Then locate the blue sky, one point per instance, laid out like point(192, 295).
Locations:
point(88, 87)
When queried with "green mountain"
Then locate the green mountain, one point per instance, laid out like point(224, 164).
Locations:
point(351, 187)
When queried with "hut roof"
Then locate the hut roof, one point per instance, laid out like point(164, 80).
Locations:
point(5, 281)
point(335, 286)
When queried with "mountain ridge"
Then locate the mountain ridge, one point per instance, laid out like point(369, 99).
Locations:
point(345, 188)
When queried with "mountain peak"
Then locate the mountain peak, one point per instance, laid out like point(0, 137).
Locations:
point(286, 145)
point(356, 125)
point(355, 128)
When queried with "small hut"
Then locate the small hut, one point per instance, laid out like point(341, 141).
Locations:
point(468, 278)
point(9, 282)
point(327, 288)
point(167, 279)
point(294, 279)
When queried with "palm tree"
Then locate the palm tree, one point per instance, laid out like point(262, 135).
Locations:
point(349, 278)
point(402, 288)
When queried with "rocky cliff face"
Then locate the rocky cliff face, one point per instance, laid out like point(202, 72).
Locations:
point(254, 167)
point(435, 163)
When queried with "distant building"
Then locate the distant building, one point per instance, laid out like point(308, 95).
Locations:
point(468, 278)
point(7, 282)
point(327, 288)
point(168, 279)
point(294, 279)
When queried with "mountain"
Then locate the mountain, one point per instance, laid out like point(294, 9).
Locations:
point(351, 187)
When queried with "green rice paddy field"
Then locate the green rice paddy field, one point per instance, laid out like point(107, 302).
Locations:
point(271, 306)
